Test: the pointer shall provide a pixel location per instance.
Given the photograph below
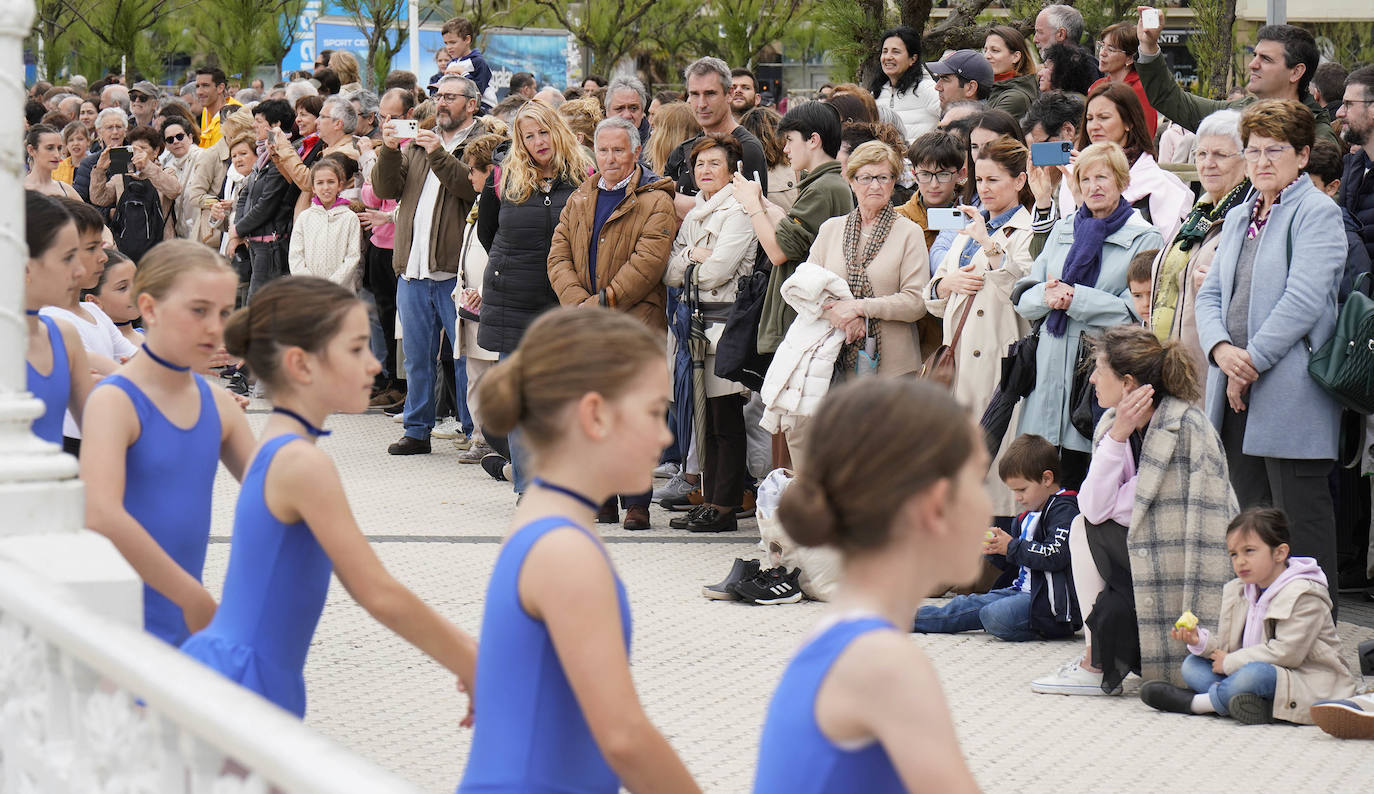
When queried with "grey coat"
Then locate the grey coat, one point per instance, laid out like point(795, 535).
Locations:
point(1290, 416)
point(1046, 410)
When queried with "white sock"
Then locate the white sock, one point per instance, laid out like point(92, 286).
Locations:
point(1202, 704)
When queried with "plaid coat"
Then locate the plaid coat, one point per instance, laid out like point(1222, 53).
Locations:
point(1177, 538)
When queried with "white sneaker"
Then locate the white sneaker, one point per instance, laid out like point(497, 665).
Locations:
point(399, 418)
point(667, 471)
point(449, 428)
point(674, 488)
point(1071, 679)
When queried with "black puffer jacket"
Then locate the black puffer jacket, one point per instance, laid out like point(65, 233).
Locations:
point(515, 289)
point(266, 203)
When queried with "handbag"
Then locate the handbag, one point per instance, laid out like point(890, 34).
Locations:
point(737, 351)
point(1344, 364)
point(1083, 410)
point(940, 367)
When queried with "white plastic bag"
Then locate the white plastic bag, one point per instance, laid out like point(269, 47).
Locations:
point(820, 567)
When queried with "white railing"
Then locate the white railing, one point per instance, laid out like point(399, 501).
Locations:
point(89, 705)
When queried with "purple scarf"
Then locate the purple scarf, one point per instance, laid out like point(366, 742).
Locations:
point(1084, 260)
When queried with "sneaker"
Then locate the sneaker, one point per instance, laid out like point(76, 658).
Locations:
point(1351, 718)
point(494, 465)
point(475, 452)
point(674, 488)
point(399, 417)
point(773, 586)
point(667, 471)
point(709, 519)
point(1248, 708)
point(725, 589)
point(681, 521)
point(409, 446)
point(1071, 679)
point(463, 441)
point(449, 428)
point(679, 504)
point(1165, 696)
point(238, 384)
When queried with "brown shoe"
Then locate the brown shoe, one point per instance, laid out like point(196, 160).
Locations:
point(636, 518)
point(609, 512)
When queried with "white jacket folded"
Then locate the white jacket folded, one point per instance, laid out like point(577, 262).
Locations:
point(805, 361)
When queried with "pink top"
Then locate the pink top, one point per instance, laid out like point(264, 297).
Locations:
point(383, 234)
point(1108, 492)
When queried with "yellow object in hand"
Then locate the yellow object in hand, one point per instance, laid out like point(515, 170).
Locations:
point(1187, 621)
point(990, 535)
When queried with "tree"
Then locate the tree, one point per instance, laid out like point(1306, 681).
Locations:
point(378, 20)
point(277, 41)
point(855, 25)
point(484, 14)
point(52, 20)
point(124, 25)
point(748, 26)
point(612, 29)
point(239, 33)
point(1212, 43)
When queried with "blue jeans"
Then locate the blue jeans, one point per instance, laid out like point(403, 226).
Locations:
point(377, 340)
point(1255, 678)
point(426, 308)
point(1004, 614)
point(519, 456)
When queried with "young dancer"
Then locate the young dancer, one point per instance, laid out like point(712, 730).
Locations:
point(159, 431)
point(1275, 652)
point(43, 144)
point(306, 340)
point(588, 389)
point(55, 360)
point(859, 707)
point(113, 293)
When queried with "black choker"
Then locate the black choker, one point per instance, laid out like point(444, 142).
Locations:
point(568, 492)
point(309, 428)
point(31, 312)
point(126, 322)
point(164, 362)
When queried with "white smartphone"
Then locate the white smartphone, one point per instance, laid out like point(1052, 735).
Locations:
point(405, 128)
point(945, 218)
point(1149, 19)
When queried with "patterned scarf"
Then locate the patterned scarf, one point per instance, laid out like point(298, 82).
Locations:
point(1083, 263)
point(1256, 222)
point(1166, 298)
point(856, 263)
point(1206, 214)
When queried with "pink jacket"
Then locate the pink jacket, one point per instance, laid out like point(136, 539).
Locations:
point(1108, 492)
point(383, 235)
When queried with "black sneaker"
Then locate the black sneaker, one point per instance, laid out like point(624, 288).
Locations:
point(681, 521)
point(709, 519)
point(238, 384)
point(494, 464)
point(725, 590)
point(773, 586)
point(409, 446)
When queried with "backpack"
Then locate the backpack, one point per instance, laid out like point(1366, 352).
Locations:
point(138, 221)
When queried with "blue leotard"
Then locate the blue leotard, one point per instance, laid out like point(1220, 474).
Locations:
point(169, 477)
point(794, 756)
point(274, 593)
point(530, 735)
point(54, 389)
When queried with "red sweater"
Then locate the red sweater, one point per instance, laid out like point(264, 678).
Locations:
point(1133, 80)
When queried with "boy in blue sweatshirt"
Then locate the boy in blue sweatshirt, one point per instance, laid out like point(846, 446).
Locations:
point(466, 61)
point(1041, 602)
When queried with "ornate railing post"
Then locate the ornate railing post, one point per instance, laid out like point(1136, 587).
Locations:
point(41, 505)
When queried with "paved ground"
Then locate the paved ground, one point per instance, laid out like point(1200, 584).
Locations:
point(705, 669)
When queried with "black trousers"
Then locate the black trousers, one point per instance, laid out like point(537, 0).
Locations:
point(1297, 487)
point(381, 279)
point(268, 261)
point(723, 461)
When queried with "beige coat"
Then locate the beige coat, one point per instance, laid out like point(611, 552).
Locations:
point(106, 191)
point(1184, 325)
point(1308, 670)
point(992, 328)
point(898, 274)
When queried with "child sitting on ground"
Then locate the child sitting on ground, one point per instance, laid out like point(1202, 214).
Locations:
point(327, 238)
point(1139, 281)
point(1041, 602)
point(1276, 651)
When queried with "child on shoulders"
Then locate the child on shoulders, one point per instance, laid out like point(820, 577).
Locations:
point(1041, 602)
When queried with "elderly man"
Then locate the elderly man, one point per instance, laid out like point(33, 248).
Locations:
point(212, 89)
point(627, 98)
point(1057, 24)
point(335, 125)
point(365, 103)
point(436, 195)
point(110, 126)
point(708, 95)
point(143, 103)
point(611, 248)
point(114, 95)
point(550, 96)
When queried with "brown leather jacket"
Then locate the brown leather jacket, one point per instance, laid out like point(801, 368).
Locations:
point(632, 253)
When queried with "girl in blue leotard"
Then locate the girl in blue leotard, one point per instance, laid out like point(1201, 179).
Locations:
point(306, 340)
point(859, 707)
point(588, 389)
point(155, 432)
point(58, 374)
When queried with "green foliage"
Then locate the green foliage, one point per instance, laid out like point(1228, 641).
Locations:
point(1212, 44)
point(748, 26)
point(486, 14)
point(855, 25)
point(1351, 43)
point(612, 29)
point(377, 18)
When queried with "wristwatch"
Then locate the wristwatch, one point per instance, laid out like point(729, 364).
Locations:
point(993, 248)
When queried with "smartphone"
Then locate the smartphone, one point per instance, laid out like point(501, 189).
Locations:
point(405, 128)
point(1149, 19)
point(945, 218)
point(1051, 153)
point(120, 156)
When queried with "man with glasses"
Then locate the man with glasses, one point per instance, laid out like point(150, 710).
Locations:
point(938, 160)
point(365, 104)
point(142, 103)
point(427, 176)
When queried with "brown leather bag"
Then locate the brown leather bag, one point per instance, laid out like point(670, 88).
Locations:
point(940, 366)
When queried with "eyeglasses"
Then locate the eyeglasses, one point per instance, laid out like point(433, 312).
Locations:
point(1357, 101)
point(1271, 153)
point(1203, 154)
point(882, 179)
point(180, 136)
point(943, 177)
point(1110, 50)
point(453, 97)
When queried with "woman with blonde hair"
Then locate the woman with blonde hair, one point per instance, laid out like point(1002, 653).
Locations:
point(516, 215)
point(345, 65)
point(675, 124)
point(582, 116)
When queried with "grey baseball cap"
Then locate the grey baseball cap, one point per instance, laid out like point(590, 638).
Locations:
point(966, 65)
point(145, 88)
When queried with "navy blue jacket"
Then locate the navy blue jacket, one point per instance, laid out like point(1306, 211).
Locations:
point(1357, 199)
point(1054, 604)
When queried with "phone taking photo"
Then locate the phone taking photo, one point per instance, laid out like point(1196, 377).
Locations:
point(1149, 19)
point(120, 156)
point(946, 218)
point(405, 128)
point(1050, 153)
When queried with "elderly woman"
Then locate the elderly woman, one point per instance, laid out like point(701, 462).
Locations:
point(971, 290)
point(1078, 285)
point(1270, 299)
point(715, 247)
point(1186, 259)
point(111, 126)
point(882, 255)
point(611, 248)
point(183, 143)
point(207, 178)
point(1117, 49)
point(142, 198)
